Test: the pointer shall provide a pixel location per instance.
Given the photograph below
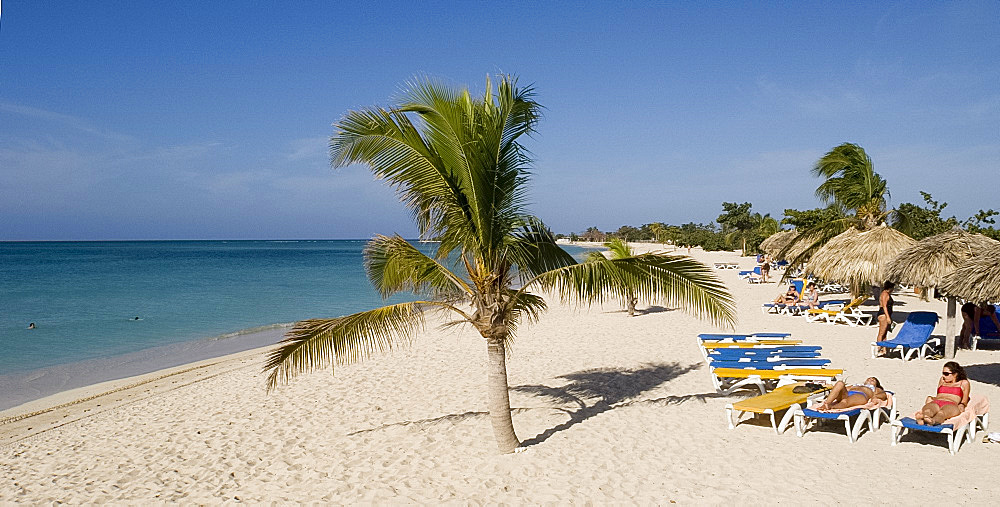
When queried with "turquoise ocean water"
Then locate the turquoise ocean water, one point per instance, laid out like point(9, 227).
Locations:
point(194, 299)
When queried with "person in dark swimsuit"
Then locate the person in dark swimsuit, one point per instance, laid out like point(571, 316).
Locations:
point(884, 315)
point(969, 323)
point(790, 297)
point(951, 398)
point(844, 396)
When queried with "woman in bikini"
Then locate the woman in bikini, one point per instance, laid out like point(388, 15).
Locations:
point(789, 298)
point(844, 396)
point(884, 315)
point(951, 399)
point(812, 300)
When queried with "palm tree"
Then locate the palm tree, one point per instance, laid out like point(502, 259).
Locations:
point(619, 250)
point(457, 163)
point(851, 186)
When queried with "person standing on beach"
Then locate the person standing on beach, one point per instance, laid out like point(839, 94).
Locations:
point(765, 268)
point(884, 315)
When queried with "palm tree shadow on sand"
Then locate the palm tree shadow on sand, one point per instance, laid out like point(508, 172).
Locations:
point(610, 387)
point(607, 389)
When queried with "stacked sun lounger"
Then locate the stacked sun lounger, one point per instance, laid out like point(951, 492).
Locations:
point(761, 360)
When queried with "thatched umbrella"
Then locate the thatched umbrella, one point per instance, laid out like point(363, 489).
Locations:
point(978, 280)
point(797, 245)
point(858, 259)
point(931, 260)
point(776, 242)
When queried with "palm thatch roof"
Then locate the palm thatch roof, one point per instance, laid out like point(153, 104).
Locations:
point(978, 280)
point(797, 246)
point(928, 262)
point(777, 242)
point(858, 259)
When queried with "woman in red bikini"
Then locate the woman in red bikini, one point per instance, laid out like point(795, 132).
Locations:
point(951, 399)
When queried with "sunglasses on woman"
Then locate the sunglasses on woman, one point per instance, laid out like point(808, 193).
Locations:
point(946, 373)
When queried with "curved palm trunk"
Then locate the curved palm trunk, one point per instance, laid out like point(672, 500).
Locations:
point(498, 401)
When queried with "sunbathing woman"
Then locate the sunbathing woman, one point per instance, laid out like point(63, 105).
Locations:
point(951, 399)
point(789, 298)
point(812, 298)
point(845, 396)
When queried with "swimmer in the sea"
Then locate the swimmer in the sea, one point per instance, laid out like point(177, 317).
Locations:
point(31, 325)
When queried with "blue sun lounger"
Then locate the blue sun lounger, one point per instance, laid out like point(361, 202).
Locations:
point(914, 337)
point(908, 423)
point(861, 416)
point(739, 354)
point(765, 350)
point(803, 416)
point(987, 331)
point(769, 365)
point(738, 337)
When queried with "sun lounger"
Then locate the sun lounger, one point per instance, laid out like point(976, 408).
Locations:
point(788, 352)
point(801, 308)
point(769, 363)
point(727, 380)
point(987, 331)
point(871, 413)
point(707, 347)
point(913, 338)
point(782, 398)
point(747, 344)
point(720, 336)
point(976, 415)
point(849, 314)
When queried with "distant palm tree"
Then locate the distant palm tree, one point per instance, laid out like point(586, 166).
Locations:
point(619, 250)
point(852, 186)
point(457, 163)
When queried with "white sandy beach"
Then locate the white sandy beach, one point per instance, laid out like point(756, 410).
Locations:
point(611, 409)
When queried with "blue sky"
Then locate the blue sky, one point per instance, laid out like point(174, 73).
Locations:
point(176, 120)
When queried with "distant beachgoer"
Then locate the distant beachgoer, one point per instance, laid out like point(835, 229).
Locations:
point(951, 398)
point(884, 315)
point(812, 296)
point(790, 297)
point(765, 268)
point(969, 325)
point(31, 325)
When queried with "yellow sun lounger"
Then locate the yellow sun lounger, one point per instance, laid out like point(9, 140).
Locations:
point(782, 398)
point(748, 344)
point(849, 314)
point(727, 380)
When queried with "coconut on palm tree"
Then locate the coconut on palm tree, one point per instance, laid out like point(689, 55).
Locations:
point(458, 164)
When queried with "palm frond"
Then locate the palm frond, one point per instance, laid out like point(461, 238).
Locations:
point(533, 249)
point(673, 280)
point(320, 343)
point(523, 307)
point(619, 248)
point(394, 265)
